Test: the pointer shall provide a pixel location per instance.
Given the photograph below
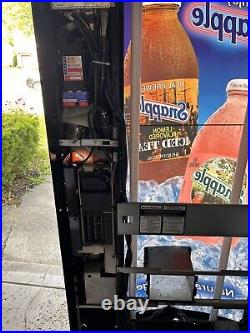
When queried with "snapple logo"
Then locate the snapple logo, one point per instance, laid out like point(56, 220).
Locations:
point(224, 22)
point(214, 186)
point(162, 111)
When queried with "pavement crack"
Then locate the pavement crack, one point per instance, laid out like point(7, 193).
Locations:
point(45, 273)
point(34, 297)
point(25, 322)
point(28, 306)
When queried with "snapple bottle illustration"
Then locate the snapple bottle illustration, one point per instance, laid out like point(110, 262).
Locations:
point(169, 93)
point(212, 162)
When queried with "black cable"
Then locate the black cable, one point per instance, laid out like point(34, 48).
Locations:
point(109, 159)
point(84, 35)
point(103, 67)
point(63, 156)
point(88, 157)
point(124, 155)
point(108, 91)
point(89, 31)
point(91, 124)
point(98, 50)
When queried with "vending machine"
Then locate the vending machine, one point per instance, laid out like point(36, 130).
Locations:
point(146, 114)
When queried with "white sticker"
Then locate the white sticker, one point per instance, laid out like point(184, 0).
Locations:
point(150, 224)
point(174, 208)
point(79, 5)
point(72, 68)
point(173, 225)
point(150, 207)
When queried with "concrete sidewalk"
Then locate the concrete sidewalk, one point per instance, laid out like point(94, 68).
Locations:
point(33, 296)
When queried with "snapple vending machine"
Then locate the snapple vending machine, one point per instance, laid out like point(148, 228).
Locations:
point(192, 107)
point(194, 93)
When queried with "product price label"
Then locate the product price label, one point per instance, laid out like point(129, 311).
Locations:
point(72, 68)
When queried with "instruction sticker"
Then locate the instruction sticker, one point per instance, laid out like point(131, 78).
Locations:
point(72, 68)
point(173, 225)
point(150, 224)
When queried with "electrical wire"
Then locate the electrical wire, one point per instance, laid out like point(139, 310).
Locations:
point(88, 157)
point(85, 37)
point(90, 33)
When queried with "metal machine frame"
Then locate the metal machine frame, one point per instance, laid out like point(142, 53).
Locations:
point(47, 24)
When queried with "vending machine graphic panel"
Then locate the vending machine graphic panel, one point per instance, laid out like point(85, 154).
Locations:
point(194, 94)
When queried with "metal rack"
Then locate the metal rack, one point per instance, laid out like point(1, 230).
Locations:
point(196, 220)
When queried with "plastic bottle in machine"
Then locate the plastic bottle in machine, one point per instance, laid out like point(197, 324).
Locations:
point(169, 93)
point(212, 162)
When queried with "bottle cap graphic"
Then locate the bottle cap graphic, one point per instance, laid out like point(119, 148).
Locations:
point(237, 84)
point(159, 3)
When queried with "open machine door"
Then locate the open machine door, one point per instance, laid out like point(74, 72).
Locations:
point(81, 61)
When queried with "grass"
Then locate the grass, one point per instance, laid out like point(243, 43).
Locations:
point(35, 175)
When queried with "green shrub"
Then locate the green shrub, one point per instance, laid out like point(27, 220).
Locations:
point(14, 60)
point(20, 138)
